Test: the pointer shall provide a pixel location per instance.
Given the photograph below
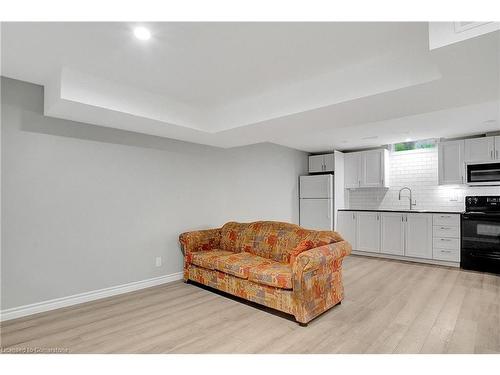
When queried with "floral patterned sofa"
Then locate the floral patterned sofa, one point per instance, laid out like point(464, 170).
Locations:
point(279, 265)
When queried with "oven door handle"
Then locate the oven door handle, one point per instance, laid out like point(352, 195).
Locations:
point(491, 256)
point(482, 217)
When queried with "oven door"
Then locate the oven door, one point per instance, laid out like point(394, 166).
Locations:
point(481, 242)
point(483, 174)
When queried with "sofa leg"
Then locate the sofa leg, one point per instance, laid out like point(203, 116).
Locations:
point(303, 324)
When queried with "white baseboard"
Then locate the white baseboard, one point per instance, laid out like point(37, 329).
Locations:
point(57, 303)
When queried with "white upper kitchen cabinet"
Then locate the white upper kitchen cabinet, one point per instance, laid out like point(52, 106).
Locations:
point(346, 226)
point(392, 233)
point(366, 169)
point(451, 168)
point(329, 162)
point(352, 169)
point(368, 232)
point(479, 149)
point(315, 163)
point(418, 235)
point(373, 168)
point(321, 163)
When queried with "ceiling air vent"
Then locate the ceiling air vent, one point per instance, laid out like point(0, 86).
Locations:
point(467, 25)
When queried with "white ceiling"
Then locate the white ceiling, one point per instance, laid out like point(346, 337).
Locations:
point(310, 86)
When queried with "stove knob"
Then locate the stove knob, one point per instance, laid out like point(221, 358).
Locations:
point(476, 200)
point(469, 200)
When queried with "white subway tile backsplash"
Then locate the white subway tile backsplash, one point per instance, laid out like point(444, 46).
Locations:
point(419, 171)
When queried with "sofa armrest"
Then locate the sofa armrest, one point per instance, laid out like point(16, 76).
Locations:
point(313, 259)
point(200, 240)
point(317, 279)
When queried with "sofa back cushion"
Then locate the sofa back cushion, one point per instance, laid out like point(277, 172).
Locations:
point(275, 240)
point(272, 239)
point(232, 235)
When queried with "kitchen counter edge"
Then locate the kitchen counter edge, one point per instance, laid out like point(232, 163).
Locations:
point(403, 211)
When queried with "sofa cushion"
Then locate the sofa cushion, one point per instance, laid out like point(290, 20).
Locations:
point(275, 274)
point(232, 236)
point(272, 239)
point(207, 259)
point(312, 240)
point(239, 264)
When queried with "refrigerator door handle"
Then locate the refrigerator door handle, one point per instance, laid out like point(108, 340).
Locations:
point(330, 192)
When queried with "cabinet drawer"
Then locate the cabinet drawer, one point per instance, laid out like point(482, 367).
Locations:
point(446, 231)
point(451, 255)
point(446, 243)
point(446, 219)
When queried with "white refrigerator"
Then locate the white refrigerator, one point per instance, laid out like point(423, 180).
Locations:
point(317, 202)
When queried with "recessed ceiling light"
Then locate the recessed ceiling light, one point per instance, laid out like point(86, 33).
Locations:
point(142, 33)
point(408, 140)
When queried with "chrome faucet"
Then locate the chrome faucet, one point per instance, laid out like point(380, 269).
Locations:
point(411, 200)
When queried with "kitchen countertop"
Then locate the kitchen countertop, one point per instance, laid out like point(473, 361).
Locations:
point(406, 211)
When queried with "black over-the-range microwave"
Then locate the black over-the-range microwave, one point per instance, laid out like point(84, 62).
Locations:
point(483, 173)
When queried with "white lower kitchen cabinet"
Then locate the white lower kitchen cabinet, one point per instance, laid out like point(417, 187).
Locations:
point(368, 232)
point(346, 225)
point(446, 237)
point(418, 239)
point(417, 236)
point(392, 233)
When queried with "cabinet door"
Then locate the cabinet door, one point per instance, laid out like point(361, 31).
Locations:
point(497, 148)
point(392, 233)
point(479, 149)
point(451, 162)
point(329, 162)
point(316, 163)
point(368, 233)
point(418, 239)
point(347, 226)
point(351, 170)
point(372, 168)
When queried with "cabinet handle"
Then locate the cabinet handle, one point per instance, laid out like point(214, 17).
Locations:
point(444, 239)
point(444, 228)
point(445, 251)
point(496, 152)
point(491, 153)
point(353, 217)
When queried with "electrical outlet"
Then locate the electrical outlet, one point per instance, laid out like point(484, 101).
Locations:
point(158, 261)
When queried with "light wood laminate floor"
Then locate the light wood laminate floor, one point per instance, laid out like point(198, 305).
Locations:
point(389, 307)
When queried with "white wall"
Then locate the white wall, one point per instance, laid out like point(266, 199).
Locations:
point(88, 207)
point(418, 170)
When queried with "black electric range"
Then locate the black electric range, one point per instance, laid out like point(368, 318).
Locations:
point(481, 234)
